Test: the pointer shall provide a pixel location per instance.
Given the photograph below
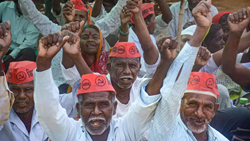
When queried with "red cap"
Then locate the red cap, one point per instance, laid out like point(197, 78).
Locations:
point(217, 17)
point(202, 83)
point(125, 50)
point(79, 5)
point(146, 9)
point(91, 83)
point(20, 72)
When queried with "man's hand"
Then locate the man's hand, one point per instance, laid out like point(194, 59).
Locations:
point(134, 6)
point(125, 15)
point(202, 14)
point(72, 46)
point(48, 47)
point(5, 38)
point(167, 47)
point(69, 11)
point(74, 27)
point(202, 57)
point(239, 20)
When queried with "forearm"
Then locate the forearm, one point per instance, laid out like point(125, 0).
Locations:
point(81, 65)
point(124, 29)
point(156, 82)
point(67, 61)
point(244, 42)
point(198, 36)
point(166, 13)
point(56, 6)
point(149, 50)
point(230, 53)
point(97, 8)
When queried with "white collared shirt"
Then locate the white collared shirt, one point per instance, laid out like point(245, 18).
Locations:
point(59, 127)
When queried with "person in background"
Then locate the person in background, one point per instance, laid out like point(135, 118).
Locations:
point(237, 72)
point(6, 96)
point(155, 26)
point(189, 6)
point(221, 18)
point(24, 34)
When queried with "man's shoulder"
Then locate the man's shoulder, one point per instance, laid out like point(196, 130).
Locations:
point(9, 4)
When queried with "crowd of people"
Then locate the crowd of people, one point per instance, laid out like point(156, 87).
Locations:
point(101, 70)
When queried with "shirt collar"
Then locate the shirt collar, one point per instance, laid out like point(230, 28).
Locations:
point(186, 4)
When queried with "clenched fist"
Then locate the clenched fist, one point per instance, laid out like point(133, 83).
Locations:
point(75, 27)
point(167, 47)
point(240, 20)
point(72, 46)
point(202, 13)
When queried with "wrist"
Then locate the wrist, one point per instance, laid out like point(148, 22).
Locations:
point(76, 56)
point(43, 64)
point(124, 27)
point(236, 33)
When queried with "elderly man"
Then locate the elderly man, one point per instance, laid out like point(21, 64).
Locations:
point(6, 96)
point(189, 6)
point(124, 78)
point(24, 33)
point(96, 98)
point(167, 125)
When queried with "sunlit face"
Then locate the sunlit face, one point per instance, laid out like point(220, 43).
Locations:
point(80, 15)
point(184, 39)
point(151, 24)
point(124, 71)
point(217, 42)
point(90, 41)
point(96, 111)
point(23, 93)
point(197, 111)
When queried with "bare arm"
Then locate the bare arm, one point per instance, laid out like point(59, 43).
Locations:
point(166, 13)
point(125, 17)
point(97, 8)
point(237, 72)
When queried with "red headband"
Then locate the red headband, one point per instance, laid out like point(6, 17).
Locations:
point(20, 72)
point(217, 17)
point(202, 83)
point(146, 9)
point(125, 50)
point(79, 5)
point(91, 83)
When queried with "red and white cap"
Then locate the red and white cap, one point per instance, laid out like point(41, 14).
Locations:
point(125, 50)
point(202, 83)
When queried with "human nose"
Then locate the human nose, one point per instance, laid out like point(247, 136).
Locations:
point(97, 111)
point(200, 112)
point(127, 70)
point(22, 95)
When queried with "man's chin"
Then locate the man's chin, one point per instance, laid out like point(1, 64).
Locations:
point(96, 132)
point(196, 129)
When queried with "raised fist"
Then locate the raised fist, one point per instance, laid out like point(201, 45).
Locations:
point(69, 11)
point(125, 15)
point(202, 57)
point(72, 46)
point(167, 47)
point(240, 20)
point(75, 27)
point(5, 38)
point(202, 14)
point(50, 45)
point(134, 6)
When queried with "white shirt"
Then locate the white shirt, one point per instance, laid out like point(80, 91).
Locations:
point(59, 127)
point(166, 125)
point(143, 71)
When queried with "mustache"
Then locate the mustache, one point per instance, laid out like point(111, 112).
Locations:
point(205, 120)
point(96, 118)
point(126, 77)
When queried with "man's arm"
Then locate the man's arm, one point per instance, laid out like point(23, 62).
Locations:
point(150, 52)
point(172, 29)
point(97, 8)
point(30, 41)
point(163, 19)
point(6, 96)
point(125, 17)
point(56, 7)
point(40, 21)
point(237, 72)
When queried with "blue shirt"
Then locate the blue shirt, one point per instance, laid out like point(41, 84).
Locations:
point(24, 33)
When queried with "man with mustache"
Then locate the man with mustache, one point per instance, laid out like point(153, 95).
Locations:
point(188, 16)
point(96, 97)
point(124, 65)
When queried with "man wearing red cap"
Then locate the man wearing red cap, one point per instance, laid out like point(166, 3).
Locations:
point(96, 98)
point(167, 126)
point(6, 96)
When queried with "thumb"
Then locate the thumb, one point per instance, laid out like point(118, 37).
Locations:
point(65, 39)
point(166, 44)
point(209, 2)
point(9, 26)
point(248, 12)
point(82, 23)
